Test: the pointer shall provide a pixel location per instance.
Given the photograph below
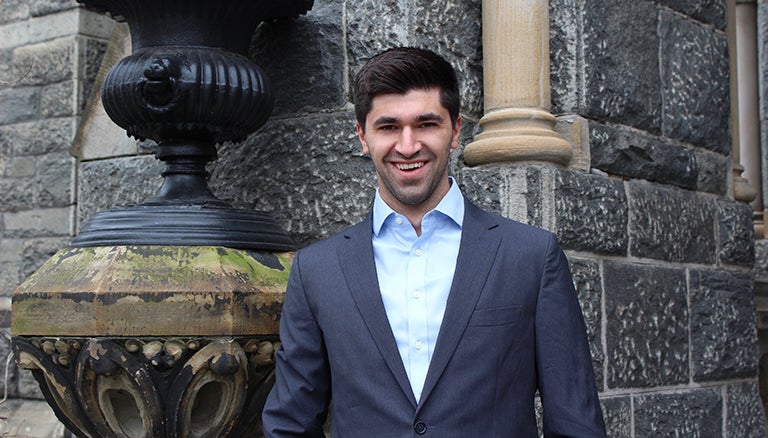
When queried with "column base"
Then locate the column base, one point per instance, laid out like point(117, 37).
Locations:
point(518, 134)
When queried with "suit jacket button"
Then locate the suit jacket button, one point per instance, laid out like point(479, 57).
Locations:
point(420, 427)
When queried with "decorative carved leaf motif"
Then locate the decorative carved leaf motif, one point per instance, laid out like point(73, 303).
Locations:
point(117, 392)
point(208, 395)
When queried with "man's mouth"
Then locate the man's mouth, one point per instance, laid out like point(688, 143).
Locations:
point(409, 166)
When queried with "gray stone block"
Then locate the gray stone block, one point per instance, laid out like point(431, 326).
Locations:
point(104, 184)
point(14, 10)
point(672, 225)
point(37, 138)
point(16, 193)
point(28, 387)
point(696, 88)
point(621, 63)
point(647, 332)
point(20, 104)
point(586, 279)
point(374, 25)
point(309, 172)
point(41, 222)
point(697, 413)
point(737, 233)
point(714, 172)
point(44, 7)
point(746, 416)
point(57, 100)
point(708, 11)
point(38, 251)
point(501, 189)
point(45, 63)
point(617, 413)
point(8, 370)
point(30, 419)
point(723, 334)
point(453, 29)
point(20, 167)
point(564, 45)
point(55, 180)
point(762, 56)
point(591, 213)
point(621, 151)
point(10, 277)
point(304, 60)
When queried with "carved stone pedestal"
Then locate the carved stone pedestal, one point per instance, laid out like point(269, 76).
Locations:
point(161, 319)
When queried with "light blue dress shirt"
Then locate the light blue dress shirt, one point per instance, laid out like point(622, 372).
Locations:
point(415, 275)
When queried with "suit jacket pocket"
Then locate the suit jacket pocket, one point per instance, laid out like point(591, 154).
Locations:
point(495, 316)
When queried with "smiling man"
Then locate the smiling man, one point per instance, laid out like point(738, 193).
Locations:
point(431, 316)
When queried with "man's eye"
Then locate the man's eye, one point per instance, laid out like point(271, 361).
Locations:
point(387, 127)
point(428, 125)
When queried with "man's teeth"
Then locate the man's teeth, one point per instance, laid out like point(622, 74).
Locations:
point(409, 166)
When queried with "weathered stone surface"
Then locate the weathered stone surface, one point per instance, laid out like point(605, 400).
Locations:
point(45, 63)
point(20, 167)
point(647, 331)
point(617, 413)
point(621, 63)
point(309, 172)
point(708, 11)
point(668, 224)
point(723, 334)
point(746, 416)
point(621, 151)
point(37, 251)
point(586, 279)
point(14, 10)
point(94, 51)
point(8, 384)
point(501, 189)
point(21, 104)
point(564, 45)
point(37, 138)
point(762, 57)
point(591, 213)
point(120, 181)
point(38, 222)
point(696, 89)
point(43, 7)
point(714, 170)
point(374, 25)
point(31, 419)
point(16, 193)
point(737, 233)
point(459, 39)
point(57, 100)
point(10, 277)
point(27, 386)
point(697, 413)
point(302, 55)
point(55, 180)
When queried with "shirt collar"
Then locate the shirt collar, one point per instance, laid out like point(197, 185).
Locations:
point(452, 205)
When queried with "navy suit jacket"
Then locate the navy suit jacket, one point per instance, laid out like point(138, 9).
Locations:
point(512, 327)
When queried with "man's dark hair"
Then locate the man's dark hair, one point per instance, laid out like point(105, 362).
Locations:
point(400, 70)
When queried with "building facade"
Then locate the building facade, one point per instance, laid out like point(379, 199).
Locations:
point(647, 205)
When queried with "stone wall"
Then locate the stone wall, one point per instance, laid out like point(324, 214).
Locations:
point(49, 53)
point(661, 254)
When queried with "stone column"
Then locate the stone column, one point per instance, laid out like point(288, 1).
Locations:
point(517, 125)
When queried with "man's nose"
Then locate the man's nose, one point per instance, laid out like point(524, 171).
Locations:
point(409, 143)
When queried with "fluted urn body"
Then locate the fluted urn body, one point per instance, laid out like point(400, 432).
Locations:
point(161, 319)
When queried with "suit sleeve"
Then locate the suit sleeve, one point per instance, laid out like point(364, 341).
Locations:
point(298, 403)
point(564, 364)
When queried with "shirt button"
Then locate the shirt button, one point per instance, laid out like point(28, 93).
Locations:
point(416, 294)
point(418, 252)
point(417, 345)
point(399, 220)
point(420, 427)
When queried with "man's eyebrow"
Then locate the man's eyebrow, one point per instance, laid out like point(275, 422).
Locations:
point(385, 120)
point(429, 117)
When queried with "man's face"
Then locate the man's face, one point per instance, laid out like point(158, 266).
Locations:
point(409, 137)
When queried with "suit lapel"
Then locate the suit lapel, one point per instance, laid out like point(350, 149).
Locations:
point(357, 262)
point(479, 245)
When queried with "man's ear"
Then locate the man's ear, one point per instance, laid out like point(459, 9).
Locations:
point(361, 136)
point(456, 133)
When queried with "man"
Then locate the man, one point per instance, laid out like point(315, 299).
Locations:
point(430, 317)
